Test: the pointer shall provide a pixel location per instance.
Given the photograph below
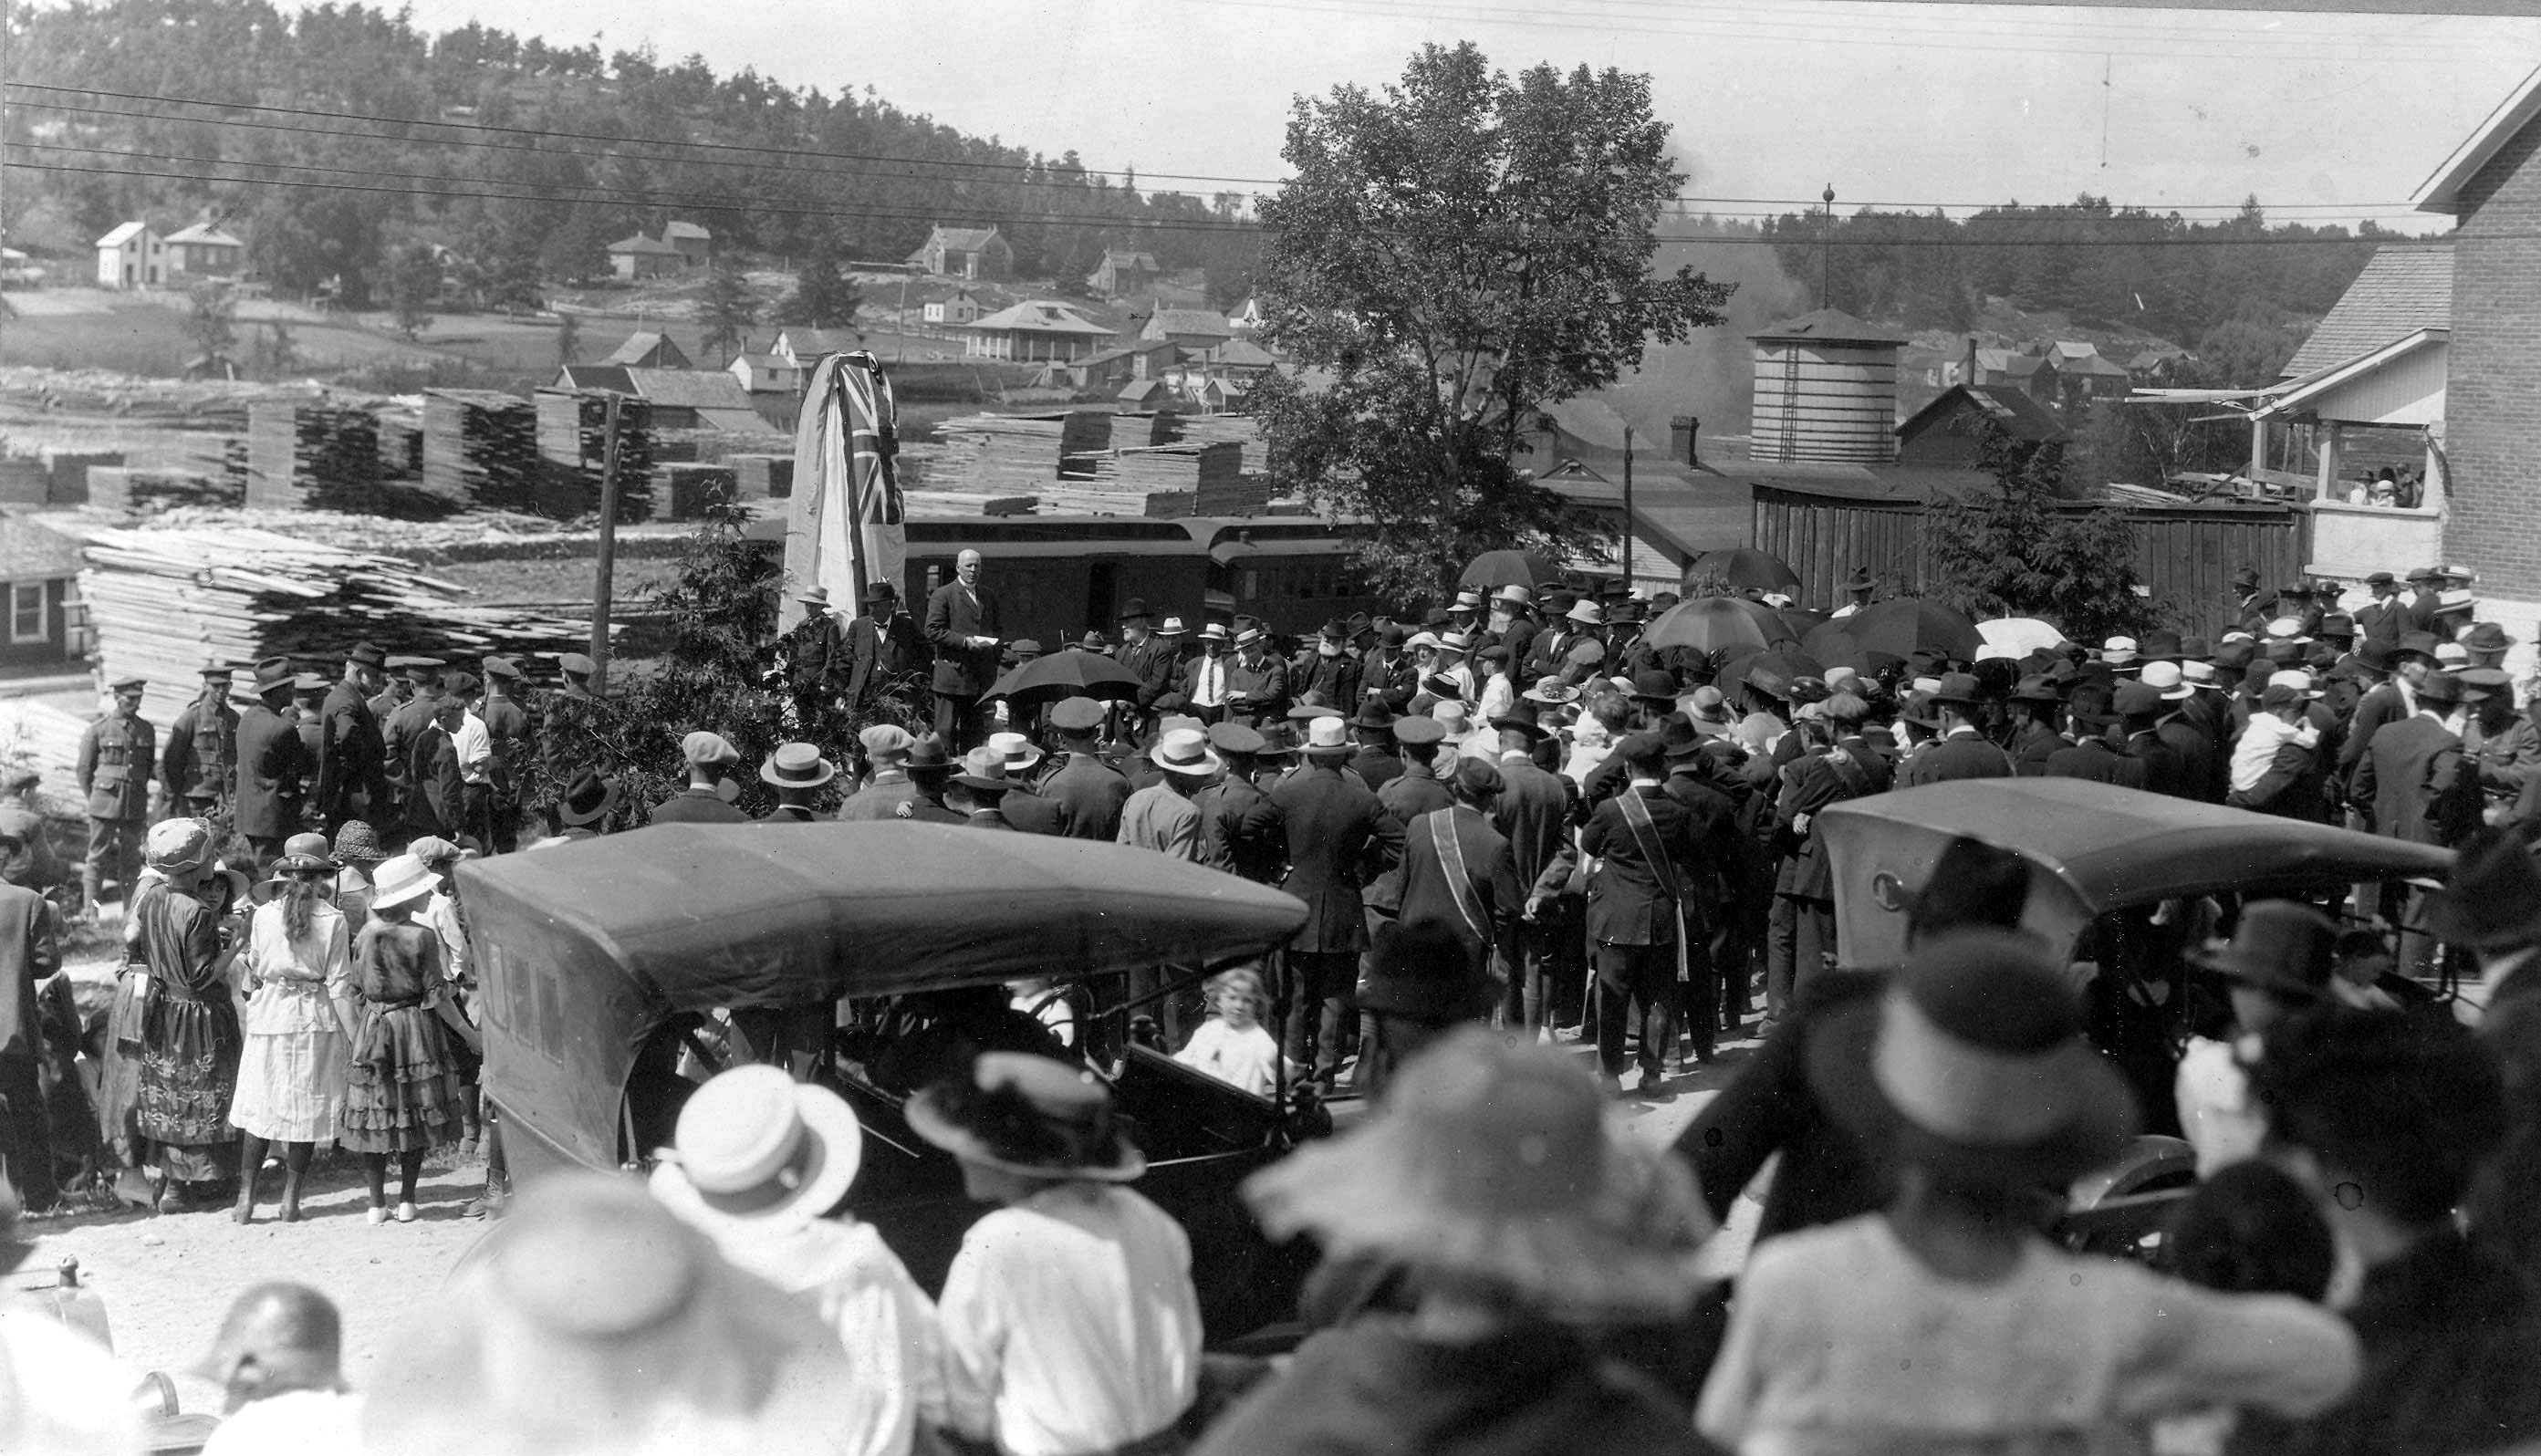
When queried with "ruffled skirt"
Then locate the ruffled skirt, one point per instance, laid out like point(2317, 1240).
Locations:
point(404, 1092)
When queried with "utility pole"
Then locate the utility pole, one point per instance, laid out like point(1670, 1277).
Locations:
point(1826, 247)
point(1628, 508)
point(605, 583)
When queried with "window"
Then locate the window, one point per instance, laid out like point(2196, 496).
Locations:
point(28, 620)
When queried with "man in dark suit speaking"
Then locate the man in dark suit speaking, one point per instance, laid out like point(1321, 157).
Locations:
point(963, 624)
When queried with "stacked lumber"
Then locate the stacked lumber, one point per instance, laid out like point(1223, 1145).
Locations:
point(762, 477)
point(684, 491)
point(167, 604)
point(302, 455)
point(24, 481)
point(573, 443)
point(401, 450)
point(1209, 429)
point(67, 470)
point(1005, 454)
point(1192, 467)
point(480, 448)
point(236, 460)
point(132, 490)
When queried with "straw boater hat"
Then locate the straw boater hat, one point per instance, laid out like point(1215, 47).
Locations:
point(1173, 627)
point(983, 772)
point(1329, 738)
point(797, 765)
point(1974, 1063)
point(2118, 651)
point(1028, 1114)
point(402, 881)
point(1186, 752)
point(1494, 1167)
point(756, 1147)
point(1016, 748)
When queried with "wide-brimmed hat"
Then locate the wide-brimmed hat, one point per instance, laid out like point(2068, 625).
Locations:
point(1959, 688)
point(2280, 945)
point(2167, 676)
point(1551, 694)
point(1213, 631)
point(1249, 637)
point(402, 881)
point(797, 765)
point(303, 856)
point(1861, 580)
point(1277, 742)
point(2492, 899)
point(1185, 751)
point(2445, 687)
point(1171, 627)
point(2486, 636)
point(757, 1146)
point(274, 675)
point(588, 799)
point(357, 844)
point(367, 654)
point(1374, 716)
point(1974, 1063)
point(1496, 1166)
point(813, 595)
point(876, 593)
point(1514, 595)
point(1029, 1115)
point(177, 845)
point(1017, 750)
point(1524, 717)
point(1586, 614)
point(2163, 645)
point(1654, 685)
point(1136, 609)
point(929, 756)
point(983, 772)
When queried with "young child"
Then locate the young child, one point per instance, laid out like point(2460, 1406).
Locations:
point(1232, 1045)
point(404, 1092)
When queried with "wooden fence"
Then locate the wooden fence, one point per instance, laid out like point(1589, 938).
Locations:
point(2186, 554)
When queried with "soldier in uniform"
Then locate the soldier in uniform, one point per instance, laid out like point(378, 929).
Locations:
point(567, 719)
point(202, 744)
point(507, 729)
point(270, 769)
point(352, 759)
point(814, 652)
point(2503, 748)
point(116, 759)
point(400, 727)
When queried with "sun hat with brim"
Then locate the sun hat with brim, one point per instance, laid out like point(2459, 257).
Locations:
point(797, 765)
point(1974, 1064)
point(178, 844)
point(1028, 1114)
point(2167, 676)
point(1185, 751)
point(587, 800)
point(303, 856)
point(983, 772)
point(2280, 946)
point(1016, 748)
point(402, 881)
point(1494, 1167)
point(2492, 899)
point(242, 888)
point(756, 1147)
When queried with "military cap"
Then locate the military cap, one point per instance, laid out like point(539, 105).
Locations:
point(503, 668)
point(1420, 728)
point(2483, 682)
point(218, 672)
point(1234, 738)
point(129, 685)
point(577, 663)
point(411, 662)
point(1076, 716)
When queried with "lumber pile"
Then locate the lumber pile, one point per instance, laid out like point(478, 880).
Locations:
point(401, 450)
point(1003, 453)
point(684, 491)
point(1192, 468)
point(1209, 429)
point(23, 480)
point(165, 604)
point(480, 448)
point(134, 491)
point(762, 477)
point(573, 444)
point(302, 455)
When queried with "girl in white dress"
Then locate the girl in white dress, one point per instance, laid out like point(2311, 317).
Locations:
point(296, 975)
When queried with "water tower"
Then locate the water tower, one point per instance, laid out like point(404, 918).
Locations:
point(1826, 390)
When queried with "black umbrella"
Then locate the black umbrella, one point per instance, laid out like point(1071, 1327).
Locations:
point(1743, 568)
point(1904, 626)
point(1494, 569)
point(1718, 624)
point(1069, 673)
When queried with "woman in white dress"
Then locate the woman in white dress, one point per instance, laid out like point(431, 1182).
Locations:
point(297, 976)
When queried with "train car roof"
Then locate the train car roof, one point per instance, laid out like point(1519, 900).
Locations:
point(1224, 538)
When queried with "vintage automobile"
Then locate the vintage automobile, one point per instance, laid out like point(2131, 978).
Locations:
point(589, 953)
point(2102, 860)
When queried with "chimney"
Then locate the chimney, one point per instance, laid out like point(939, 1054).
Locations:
point(1968, 375)
point(1681, 431)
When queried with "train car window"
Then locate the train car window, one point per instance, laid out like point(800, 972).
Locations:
point(1102, 579)
point(934, 578)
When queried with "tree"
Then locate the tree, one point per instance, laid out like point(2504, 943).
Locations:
point(211, 319)
point(281, 351)
point(568, 339)
point(727, 308)
point(414, 285)
point(823, 297)
point(1450, 257)
point(2021, 551)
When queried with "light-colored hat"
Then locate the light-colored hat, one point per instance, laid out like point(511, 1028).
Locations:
point(402, 881)
point(1249, 637)
point(2118, 651)
point(1515, 593)
point(2170, 678)
point(179, 844)
point(1453, 717)
point(2452, 655)
point(1418, 640)
point(1173, 627)
point(1214, 632)
point(1457, 641)
point(797, 765)
point(1016, 749)
point(1587, 613)
point(1329, 736)
point(1185, 751)
point(704, 749)
point(885, 743)
point(2285, 626)
point(754, 1144)
point(2200, 672)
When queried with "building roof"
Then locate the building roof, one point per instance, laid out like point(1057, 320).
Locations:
point(1245, 353)
point(124, 233)
point(644, 345)
point(2299, 395)
point(769, 362)
point(2442, 192)
point(1192, 321)
point(1831, 326)
point(2012, 410)
point(692, 389)
point(2091, 365)
point(1122, 257)
point(2154, 359)
point(2012, 362)
point(685, 230)
point(1107, 356)
point(2405, 287)
point(610, 377)
point(1037, 316)
point(204, 234)
point(32, 553)
point(968, 240)
point(819, 341)
point(641, 244)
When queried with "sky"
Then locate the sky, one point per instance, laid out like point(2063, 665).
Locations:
point(2323, 116)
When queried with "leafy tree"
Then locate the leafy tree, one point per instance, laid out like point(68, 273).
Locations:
point(568, 339)
point(313, 242)
point(281, 351)
point(2021, 551)
point(729, 307)
point(211, 319)
point(823, 296)
point(414, 285)
point(1451, 256)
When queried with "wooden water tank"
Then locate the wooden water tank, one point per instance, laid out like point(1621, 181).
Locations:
point(1826, 390)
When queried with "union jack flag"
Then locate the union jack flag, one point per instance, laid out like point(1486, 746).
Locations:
point(847, 525)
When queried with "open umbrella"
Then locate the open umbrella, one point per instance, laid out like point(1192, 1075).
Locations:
point(1770, 671)
point(1801, 621)
point(1494, 569)
point(1069, 674)
point(1831, 644)
point(1718, 624)
point(2019, 635)
point(1904, 626)
point(1742, 568)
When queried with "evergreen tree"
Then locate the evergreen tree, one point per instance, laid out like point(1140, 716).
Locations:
point(414, 286)
point(2020, 549)
point(823, 297)
point(728, 309)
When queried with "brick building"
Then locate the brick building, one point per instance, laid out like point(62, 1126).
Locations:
point(2492, 434)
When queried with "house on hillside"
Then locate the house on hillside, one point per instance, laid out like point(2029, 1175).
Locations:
point(649, 350)
point(2159, 365)
point(964, 253)
point(1247, 318)
point(1243, 359)
point(1034, 330)
point(2083, 375)
point(203, 250)
point(804, 347)
point(1123, 272)
point(1950, 430)
point(639, 256)
point(954, 312)
point(766, 374)
point(1197, 333)
point(695, 245)
point(41, 569)
point(131, 257)
point(2011, 369)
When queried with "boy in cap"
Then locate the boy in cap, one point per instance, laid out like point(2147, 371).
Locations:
point(708, 755)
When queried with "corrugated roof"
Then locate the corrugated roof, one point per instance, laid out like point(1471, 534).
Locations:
point(1037, 316)
point(1831, 326)
point(32, 553)
point(1192, 321)
point(2405, 287)
point(641, 244)
point(122, 234)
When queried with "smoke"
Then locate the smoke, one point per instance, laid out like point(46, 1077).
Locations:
point(1712, 375)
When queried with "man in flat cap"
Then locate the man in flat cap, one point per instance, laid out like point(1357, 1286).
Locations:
point(708, 755)
point(203, 745)
point(353, 755)
point(116, 756)
point(887, 786)
point(2384, 617)
point(272, 767)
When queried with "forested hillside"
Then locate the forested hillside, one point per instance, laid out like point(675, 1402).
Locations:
point(330, 137)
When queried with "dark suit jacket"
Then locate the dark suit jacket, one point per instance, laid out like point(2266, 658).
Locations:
point(1241, 830)
point(433, 785)
point(2094, 758)
point(1532, 814)
point(399, 731)
point(1154, 662)
point(1026, 812)
point(1088, 793)
point(1265, 686)
point(1495, 892)
point(2374, 711)
point(182, 765)
point(1335, 677)
point(1411, 794)
point(2165, 772)
point(270, 769)
point(2413, 777)
point(1376, 766)
point(960, 669)
point(2385, 621)
point(696, 806)
point(2196, 755)
point(1963, 756)
point(1628, 901)
point(1809, 785)
point(1338, 838)
point(1826, 1174)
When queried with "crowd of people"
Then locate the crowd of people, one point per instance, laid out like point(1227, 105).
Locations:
point(1540, 854)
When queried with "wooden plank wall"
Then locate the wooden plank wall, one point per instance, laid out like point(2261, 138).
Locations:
point(2186, 554)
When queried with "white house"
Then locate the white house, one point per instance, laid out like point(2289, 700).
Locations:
point(131, 257)
point(766, 374)
point(958, 310)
